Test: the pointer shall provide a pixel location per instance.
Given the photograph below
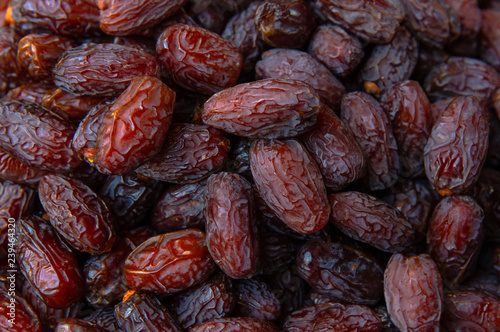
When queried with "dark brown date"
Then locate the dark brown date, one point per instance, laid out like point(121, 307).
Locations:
point(190, 153)
point(455, 236)
point(371, 220)
point(102, 69)
point(22, 121)
point(33, 92)
point(413, 292)
point(230, 224)
point(121, 18)
point(71, 107)
point(144, 312)
point(391, 63)
point(290, 183)
point(135, 126)
point(333, 146)
point(409, 110)
point(48, 264)
point(490, 38)
point(77, 213)
point(17, 315)
point(214, 298)
point(333, 317)
point(180, 207)
point(169, 262)
point(256, 299)
point(470, 311)
point(199, 59)
point(104, 318)
point(372, 129)
point(341, 272)
point(286, 24)
point(371, 21)
point(268, 108)
point(12, 73)
point(236, 324)
point(336, 49)
point(13, 169)
point(300, 66)
point(77, 325)
point(457, 146)
point(39, 53)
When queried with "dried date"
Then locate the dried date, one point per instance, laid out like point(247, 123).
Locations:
point(71, 107)
point(17, 315)
point(290, 182)
point(268, 108)
point(236, 324)
point(13, 169)
point(77, 325)
point(256, 299)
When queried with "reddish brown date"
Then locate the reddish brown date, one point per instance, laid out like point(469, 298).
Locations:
point(13, 169)
point(198, 59)
point(33, 92)
point(268, 108)
point(286, 24)
point(214, 298)
point(122, 18)
point(300, 66)
point(169, 262)
point(39, 53)
point(22, 121)
point(457, 146)
point(48, 264)
point(190, 153)
point(77, 213)
point(371, 220)
point(333, 317)
point(16, 315)
point(413, 292)
point(236, 324)
point(372, 129)
point(333, 146)
point(77, 325)
point(180, 207)
point(290, 182)
point(144, 312)
point(11, 72)
point(230, 224)
point(135, 126)
point(470, 311)
point(341, 272)
point(372, 21)
point(336, 49)
point(71, 107)
point(455, 236)
point(102, 69)
point(490, 38)
point(408, 108)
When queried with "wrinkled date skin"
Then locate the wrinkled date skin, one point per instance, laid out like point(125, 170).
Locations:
point(72, 18)
point(33, 92)
point(120, 18)
point(198, 59)
point(231, 229)
point(455, 236)
point(105, 318)
point(457, 146)
point(300, 66)
point(284, 23)
point(180, 207)
point(371, 21)
point(372, 129)
point(190, 153)
point(333, 317)
point(48, 264)
point(371, 220)
point(77, 325)
point(290, 182)
point(268, 108)
point(22, 121)
point(169, 262)
point(391, 63)
point(10, 71)
point(470, 311)
point(413, 292)
point(24, 319)
point(333, 146)
point(71, 107)
point(102, 69)
point(256, 299)
point(144, 312)
point(409, 110)
point(214, 298)
point(236, 324)
point(135, 126)
point(39, 53)
point(13, 169)
point(77, 213)
point(341, 272)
